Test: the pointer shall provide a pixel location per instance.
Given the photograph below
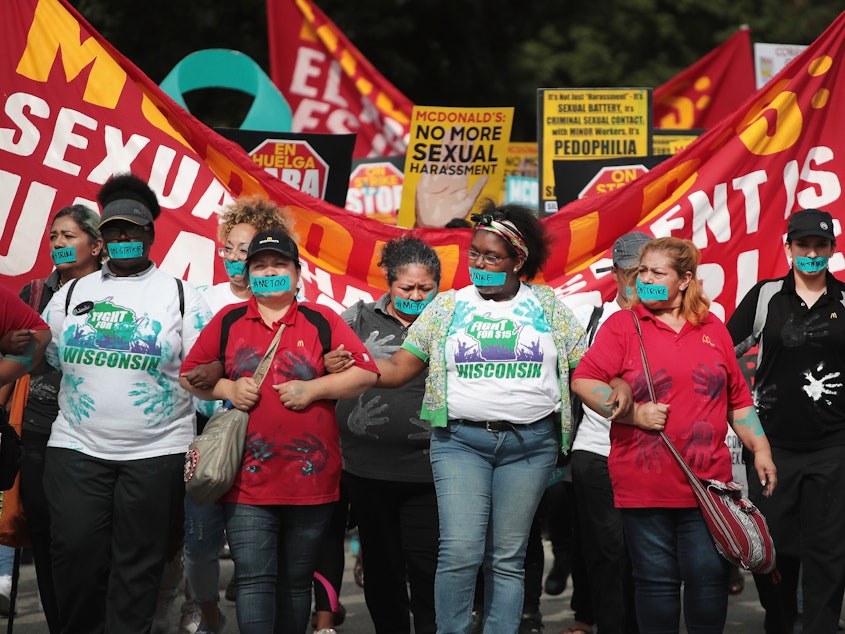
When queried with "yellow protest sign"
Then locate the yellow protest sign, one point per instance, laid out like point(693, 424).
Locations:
point(455, 157)
point(589, 123)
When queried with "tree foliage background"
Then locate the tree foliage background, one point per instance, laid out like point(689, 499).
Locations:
point(466, 52)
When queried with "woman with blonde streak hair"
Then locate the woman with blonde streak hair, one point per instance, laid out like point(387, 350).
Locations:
point(699, 390)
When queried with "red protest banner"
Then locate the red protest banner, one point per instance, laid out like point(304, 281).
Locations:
point(709, 90)
point(732, 190)
point(329, 85)
point(75, 111)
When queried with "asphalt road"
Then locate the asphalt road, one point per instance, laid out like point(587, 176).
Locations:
point(744, 612)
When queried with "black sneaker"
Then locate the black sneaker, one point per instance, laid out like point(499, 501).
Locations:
point(556, 580)
point(531, 623)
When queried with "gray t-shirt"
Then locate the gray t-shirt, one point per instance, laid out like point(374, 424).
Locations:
point(381, 434)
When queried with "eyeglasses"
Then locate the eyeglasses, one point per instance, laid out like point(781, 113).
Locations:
point(227, 252)
point(492, 260)
point(113, 232)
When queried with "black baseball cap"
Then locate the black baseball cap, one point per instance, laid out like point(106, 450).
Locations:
point(277, 241)
point(126, 209)
point(810, 222)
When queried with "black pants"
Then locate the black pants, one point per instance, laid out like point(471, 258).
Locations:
point(330, 559)
point(806, 516)
point(557, 513)
point(399, 531)
point(37, 513)
point(112, 526)
point(608, 566)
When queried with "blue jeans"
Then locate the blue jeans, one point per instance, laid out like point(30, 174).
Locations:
point(203, 540)
point(668, 547)
point(488, 487)
point(275, 552)
point(7, 560)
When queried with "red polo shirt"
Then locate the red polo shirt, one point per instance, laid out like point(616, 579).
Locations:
point(289, 457)
point(696, 372)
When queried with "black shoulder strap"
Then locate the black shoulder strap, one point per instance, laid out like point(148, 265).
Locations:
point(592, 325)
point(69, 293)
point(228, 319)
point(321, 324)
point(181, 290)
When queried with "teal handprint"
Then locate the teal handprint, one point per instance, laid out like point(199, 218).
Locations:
point(79, 404)
point(158, 400)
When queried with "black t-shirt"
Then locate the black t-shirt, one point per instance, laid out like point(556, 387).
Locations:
point(799, 385)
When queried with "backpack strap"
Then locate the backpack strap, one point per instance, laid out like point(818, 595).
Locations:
point(593, 324)
point(181, 290)
point(69, 293)
point(228, 319)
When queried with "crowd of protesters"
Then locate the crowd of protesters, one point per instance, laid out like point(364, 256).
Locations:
point(434, 419)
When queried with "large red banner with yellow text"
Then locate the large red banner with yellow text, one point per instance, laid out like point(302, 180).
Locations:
point(329, 85)
point(75, 111)
point(709, 90)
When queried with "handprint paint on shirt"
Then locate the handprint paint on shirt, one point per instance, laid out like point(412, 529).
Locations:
point(367, 414)
point(79, 404)
point(309, 451)
point(796, 332)
point(709, 382)
point(765, 398)
point(662, 386)
point(257, 450)
point(424, 425)
point(821, 384)
point(650, 452)
point(697, 444)
point(381, 347)
point(294, 366)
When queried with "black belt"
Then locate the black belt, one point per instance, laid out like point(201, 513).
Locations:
point(492, 425)
point(496, 426)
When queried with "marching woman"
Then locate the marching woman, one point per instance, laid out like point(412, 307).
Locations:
point(281, 501)
point(497, 397)
point(699, 389)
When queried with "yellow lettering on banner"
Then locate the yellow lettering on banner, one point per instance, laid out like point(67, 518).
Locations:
point(317, 231)
point(662, 193)
point(53, 28)
point(347, 63)
point(764, 136)
point(156, 117)
point(308, 16)
point(364, 86)
point(328, 37)
point(450, 259)
point(584, 232)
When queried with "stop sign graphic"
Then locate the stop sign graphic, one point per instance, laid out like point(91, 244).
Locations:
point(612, 177)
point(295, 163)
point(375, 189)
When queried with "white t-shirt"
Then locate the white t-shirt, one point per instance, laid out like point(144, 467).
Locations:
point(120, 348)
point(501, 354)
point(219, 296)
point(594, 431)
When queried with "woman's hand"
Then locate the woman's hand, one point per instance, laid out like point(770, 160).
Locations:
point(766, 471)
point(243, 393)
point(651, 416)
point(338, 360)
point(204, 377)
point(295, 395)
point(621, 399)
point(16, 341)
